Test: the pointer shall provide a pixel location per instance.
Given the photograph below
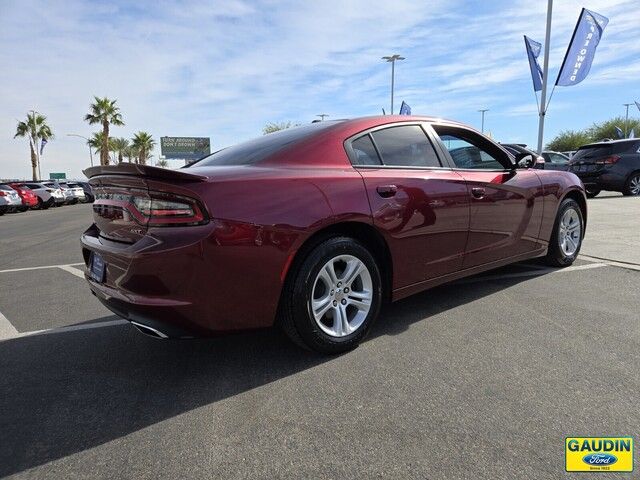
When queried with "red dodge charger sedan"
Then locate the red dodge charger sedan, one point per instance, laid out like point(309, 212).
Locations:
point(312, 228)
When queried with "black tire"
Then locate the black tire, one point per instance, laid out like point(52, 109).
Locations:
point(629, 188)
point(592, 191)
point(556, 256)
point(3, 210)
point(23, 208)
point(295, 316)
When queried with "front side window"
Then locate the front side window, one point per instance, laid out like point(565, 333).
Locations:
point(469, 150)
point(405, 146)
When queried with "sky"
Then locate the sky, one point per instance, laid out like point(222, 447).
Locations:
point(225, 69)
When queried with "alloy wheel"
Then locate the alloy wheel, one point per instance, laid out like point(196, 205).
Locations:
point(341, 296)
point(634, 185)
point(570, 233)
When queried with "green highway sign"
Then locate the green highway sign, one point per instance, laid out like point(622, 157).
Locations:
point(57, 176)
point(187, 148)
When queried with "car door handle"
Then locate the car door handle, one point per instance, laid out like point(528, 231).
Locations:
point(386, 191)
point(478, 192)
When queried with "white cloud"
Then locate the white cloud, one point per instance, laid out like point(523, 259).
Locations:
point(224, 69)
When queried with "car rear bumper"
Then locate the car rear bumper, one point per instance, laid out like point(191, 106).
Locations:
point(603, 180)
point(183, 283)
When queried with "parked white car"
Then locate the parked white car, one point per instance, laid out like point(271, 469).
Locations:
point(44, 193)
point(11, 197)
point(76, 190)
point(59, 195)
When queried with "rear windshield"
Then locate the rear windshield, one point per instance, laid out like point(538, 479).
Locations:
point(593, 152)
point(256, 150)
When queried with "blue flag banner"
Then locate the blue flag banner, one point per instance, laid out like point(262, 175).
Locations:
point(619, 132)
point(405, 109)
point(42, 144)
point(582, 48)
point(533, 52)
point(638, 105)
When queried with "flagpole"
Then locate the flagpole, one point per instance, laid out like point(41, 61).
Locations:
point(626, 119)
point(545, 74)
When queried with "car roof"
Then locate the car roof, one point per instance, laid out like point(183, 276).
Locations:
point(610, 142)
point(315, 142)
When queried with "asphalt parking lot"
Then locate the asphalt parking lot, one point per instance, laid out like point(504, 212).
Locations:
point(479, 379)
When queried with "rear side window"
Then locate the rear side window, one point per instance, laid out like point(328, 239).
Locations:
point(364, 153)
point(627, 147)
point(405, 146)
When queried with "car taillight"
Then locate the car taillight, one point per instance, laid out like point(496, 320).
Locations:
point(3, 193)
point(166, 209)
point(608, 160)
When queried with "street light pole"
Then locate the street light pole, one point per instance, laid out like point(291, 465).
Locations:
point(626, 119)
point(392, 58)
point(80, 136)
point(482, 112)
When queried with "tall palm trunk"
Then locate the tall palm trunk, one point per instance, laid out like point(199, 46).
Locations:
point(104, 150)
point(120, 156)
point(34, 164)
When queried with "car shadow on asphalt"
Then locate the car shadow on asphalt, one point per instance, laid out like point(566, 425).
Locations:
point(68, 392)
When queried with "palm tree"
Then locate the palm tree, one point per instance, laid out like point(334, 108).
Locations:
point(162, 163)
point(131, 153)
point(104, 112)
point(98, 143)
point(144, 143)
point(35, 128)
point(120, 146)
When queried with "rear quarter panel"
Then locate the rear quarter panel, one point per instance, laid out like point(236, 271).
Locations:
point(260, 218)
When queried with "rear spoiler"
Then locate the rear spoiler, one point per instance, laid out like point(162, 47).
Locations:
point(145, 171)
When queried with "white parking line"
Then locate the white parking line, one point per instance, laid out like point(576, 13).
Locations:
point(71, 328)
point(613, 263)
point(74, 271)
point(6, 329)
point(40, 268)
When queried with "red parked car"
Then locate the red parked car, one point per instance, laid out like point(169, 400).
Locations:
point(312, 228)
point(29, 199)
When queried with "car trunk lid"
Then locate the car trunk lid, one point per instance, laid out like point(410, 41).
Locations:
point(590, 159)
point(125, 206)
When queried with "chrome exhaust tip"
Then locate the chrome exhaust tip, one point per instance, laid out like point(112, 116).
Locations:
point(149, 331)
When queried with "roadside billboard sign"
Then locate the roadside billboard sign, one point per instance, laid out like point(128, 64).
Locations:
point(187, 148)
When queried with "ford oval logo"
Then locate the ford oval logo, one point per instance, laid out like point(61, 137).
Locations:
point(599, 459)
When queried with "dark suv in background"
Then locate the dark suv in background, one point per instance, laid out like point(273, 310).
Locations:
point(609, 165)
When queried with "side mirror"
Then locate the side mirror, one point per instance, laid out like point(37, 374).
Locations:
point(525, 160)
